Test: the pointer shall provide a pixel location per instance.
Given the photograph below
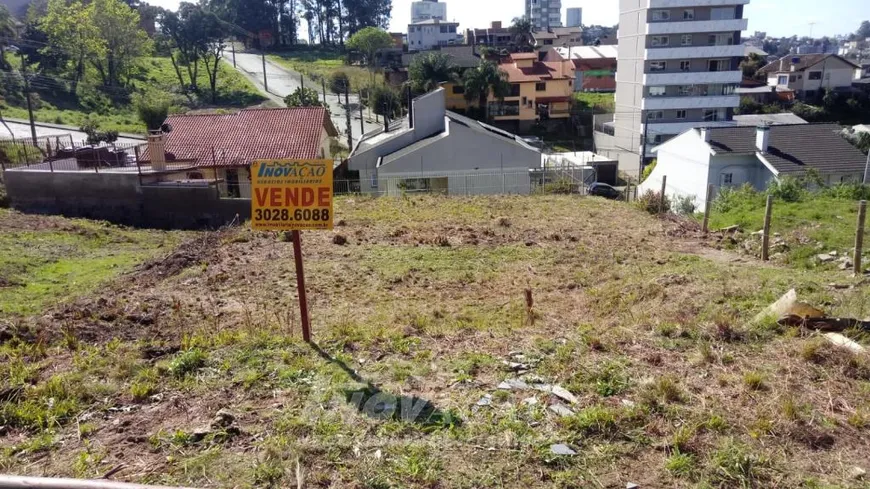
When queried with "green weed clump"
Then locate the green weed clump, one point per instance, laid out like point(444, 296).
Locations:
point(187, 362)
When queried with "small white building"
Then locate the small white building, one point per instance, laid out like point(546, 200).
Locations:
point(734, 156)
point(432, 33)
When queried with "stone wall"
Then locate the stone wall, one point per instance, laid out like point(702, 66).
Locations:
point(119, 198)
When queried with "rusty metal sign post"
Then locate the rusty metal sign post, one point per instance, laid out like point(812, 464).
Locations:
point(289, 196)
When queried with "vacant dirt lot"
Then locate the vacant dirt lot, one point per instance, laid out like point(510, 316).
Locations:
point(639, 358)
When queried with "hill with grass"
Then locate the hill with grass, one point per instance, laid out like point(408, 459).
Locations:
point(545, 341)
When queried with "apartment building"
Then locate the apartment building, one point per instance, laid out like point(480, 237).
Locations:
point(544, 14)
point(678, 68)
point(428, 9)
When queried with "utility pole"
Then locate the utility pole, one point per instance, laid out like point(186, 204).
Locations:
point(643, 136)
point(265, 80)
point(866, 167)
point(27, 94)
point(349, 122)
point(233, 46)
point(362, 125)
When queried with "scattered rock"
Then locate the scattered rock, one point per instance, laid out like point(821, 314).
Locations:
point(846, 264)
point(562, 449)
point(340, 223)
point(485, 400)
point(760, 232)
point(339, 239)
point(223, 419)
point(825, 258)
point(530, 401)
point(730, 229)
point(632, 485)
point(857, 473)
point(627, 403)
point(563, 394)
point(516, 366)
point(561, 409)
point(833, 253)
point(199, 434)
point(514, 384)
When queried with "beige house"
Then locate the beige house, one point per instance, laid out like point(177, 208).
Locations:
point(809, 74)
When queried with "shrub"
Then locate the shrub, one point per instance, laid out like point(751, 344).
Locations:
point(652, 202)
point(685, 205)
point(385, 101)
point(187, 362)
point(730, 198)
point(648, 170)
point(338, 81)
point(153, 108)
point(849, 191)
point(788, 189)
point(95, 135)
point(561, 186)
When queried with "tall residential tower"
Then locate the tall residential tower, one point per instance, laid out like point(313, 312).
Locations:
point(574, 17)
point(428, 10)
point(544, 14)
point(678, 68)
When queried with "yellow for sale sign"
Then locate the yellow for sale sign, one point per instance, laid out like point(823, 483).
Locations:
point(291, 195)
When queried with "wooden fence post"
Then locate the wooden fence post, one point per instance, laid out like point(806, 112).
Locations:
point(662, 196)
point(859, 237)
point(765, 238)
point(707, 204)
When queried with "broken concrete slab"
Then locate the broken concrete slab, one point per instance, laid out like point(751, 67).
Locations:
point(563, 393)
point(514, 384)
point(530, 401)
point(825, 258)
point(562, 449)
point(561, 409)
point(843, 342)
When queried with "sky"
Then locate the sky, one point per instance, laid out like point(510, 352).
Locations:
point(777, 17)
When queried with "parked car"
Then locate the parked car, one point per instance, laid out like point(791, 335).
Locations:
point(603, 190)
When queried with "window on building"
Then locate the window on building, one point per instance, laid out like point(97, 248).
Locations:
point(661, 15)
point(540, 87)
point(458, 89)
point(659, 41)
point(504, 109)
point(711, 115)
point(827, 76)
point(686, 39)
point(782, 80)
point(792, 78)
point(727, 179)
point(685, 90)
point(719, 65)
point(655, 66)
point(655, 115)
point(515, 90)
point(720, 40)
point(657, 91)
point(685, 66)
point(681, 114)
point(689, 14)
point(724, 13)
point(548, 42)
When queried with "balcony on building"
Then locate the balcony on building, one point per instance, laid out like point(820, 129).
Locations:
point(708, 102)
point(693, 3)
point(694, 52)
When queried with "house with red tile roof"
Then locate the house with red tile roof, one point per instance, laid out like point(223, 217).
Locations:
point(541, 91)
point(223, 146)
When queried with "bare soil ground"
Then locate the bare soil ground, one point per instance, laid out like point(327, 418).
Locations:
point(188, 369)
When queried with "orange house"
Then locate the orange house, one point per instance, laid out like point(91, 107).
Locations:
point(540, 91)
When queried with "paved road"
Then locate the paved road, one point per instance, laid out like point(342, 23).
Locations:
point(282, 82)
point(19, 129)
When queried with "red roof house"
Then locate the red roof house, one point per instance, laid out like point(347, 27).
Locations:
point(236, 140)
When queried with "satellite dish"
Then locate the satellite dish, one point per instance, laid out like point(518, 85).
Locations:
point(166, 128)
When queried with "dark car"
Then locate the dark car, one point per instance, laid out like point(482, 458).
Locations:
point(603, 190)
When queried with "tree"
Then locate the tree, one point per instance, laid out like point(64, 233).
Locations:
point(339, 82)
point(7, 31)
point(123, 42)
point(485, 79)
point(385, 101)
point(428, 71)
point(213, 42)
point(522, 31)
point(303, 97)
point(369, 41)
point(360, 14)
point(863, 31)
point(70, 29)
point(752, 65)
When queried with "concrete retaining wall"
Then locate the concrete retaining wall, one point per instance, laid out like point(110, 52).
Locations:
point(118, 198)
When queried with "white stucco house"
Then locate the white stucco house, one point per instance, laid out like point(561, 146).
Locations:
point(434, 150)
point(733, 156)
